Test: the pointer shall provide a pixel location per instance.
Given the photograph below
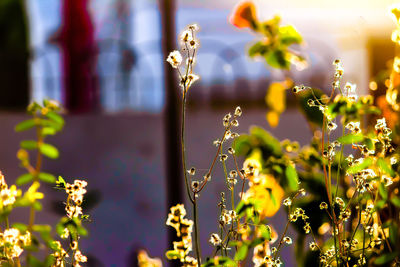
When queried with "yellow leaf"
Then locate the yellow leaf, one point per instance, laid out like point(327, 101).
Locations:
point(267, 192)
point(276, 97)
point(273, 118)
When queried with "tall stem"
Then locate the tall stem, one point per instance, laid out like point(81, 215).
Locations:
point(183, 146)
point(192, 199)
point(35, 178)
point(38, 167)
point(196, 231)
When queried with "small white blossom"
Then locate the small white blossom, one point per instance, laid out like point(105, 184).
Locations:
point(175, 59)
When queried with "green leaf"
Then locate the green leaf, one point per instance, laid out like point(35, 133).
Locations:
point(369, 143)
point(313, 114)
point(289, 35)
point(24, 179)
point(384, 166)
point(277, 59)
point(20, 226)
point(242, 252)
point(259, 48)
point(25, 125)
point(50, 259)
point(242, 207)
point(48, 131)
point(292, 177)
point(34, 262)
point(382, 191)
point(361, 166)
point(273, 199)
point(265, 231)
point(28, 144)
point(41, 228)
point(350, 139)
point(60, 181)
point(81, 230)
point(242, 145)
point(172, 255)
point(55, 117)
point(49, 150)
point(37, 206)
point(380, 204)
point(386, 258)
point(266, 139)
point(257, 241)
point(47, 177)
point(51, 124)
point(395, 201)
point(219, 261)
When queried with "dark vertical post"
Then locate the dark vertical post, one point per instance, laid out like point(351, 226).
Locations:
point(80, 90)
point(14, 55)
point(171, 113)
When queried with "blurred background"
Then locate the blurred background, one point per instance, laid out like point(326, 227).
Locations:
point(104, 60)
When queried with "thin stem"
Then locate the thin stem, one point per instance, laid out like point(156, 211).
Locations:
point(38, 167)
point(340, 164)
point(281, 240)
point(183, 147)
point(240, 174)
point(196, 231)
point(225, 170)
point(214, 161)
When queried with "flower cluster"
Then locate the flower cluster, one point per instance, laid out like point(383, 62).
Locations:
point(228, 122)
point(75, 193)
point(144, 260)
point(189, 43)
point(183, 227)
point(12, 243)
point(60, 254)
point(262, 256)
point(7, 195)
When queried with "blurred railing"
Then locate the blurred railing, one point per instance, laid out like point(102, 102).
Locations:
point(131, 75)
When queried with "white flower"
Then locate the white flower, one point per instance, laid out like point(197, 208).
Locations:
point(287, 240)
point(190, 79)
point(194, 27)
point(396, 64)
point(351, 91)
point(174, 58)
point(287, 202)
point(331, 126)
point(215, 239)
point(186, 36)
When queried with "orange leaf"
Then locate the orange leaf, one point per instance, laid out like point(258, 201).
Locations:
point(244, 15)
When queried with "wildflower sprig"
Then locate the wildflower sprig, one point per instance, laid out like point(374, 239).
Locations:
point(189, 45)
point(360, 175)
point(183, 227)
point(18, 238)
